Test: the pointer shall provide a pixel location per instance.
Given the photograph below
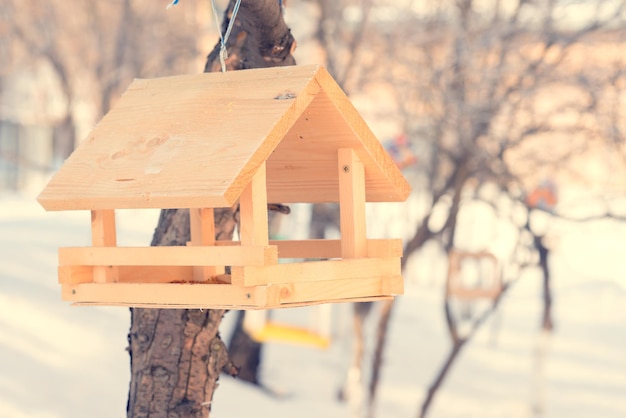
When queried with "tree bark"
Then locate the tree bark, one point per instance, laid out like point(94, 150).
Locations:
point(176, 355)
point(64, 138)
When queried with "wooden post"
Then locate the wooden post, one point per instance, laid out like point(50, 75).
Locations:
point(253, 211)
point(103, 234)
point(202, 224)
point(352, 204)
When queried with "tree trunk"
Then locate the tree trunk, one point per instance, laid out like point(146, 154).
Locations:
point(177, 355)
point(64, 139)
point(546, 322)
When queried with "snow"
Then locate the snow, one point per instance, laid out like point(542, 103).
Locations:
point(62, 361)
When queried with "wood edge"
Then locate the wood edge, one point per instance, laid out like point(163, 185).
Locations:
point(258, 255)
point(234, 308)
point(371, 144)
point(299, 104)
point(245, 276)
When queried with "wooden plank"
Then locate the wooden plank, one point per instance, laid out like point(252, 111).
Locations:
point(137, 274)
point(202, 230)
point(168, 256)
point(202, 226)
point(183, 141)
point(351, 204)
point(155, 274)
point(311, 271)
point(327, 248)
point(253, 211)
point(103, 234)
point(198, 294)
point(335, 289)
point(75, 274)
point(219, 296)
point(231, 307)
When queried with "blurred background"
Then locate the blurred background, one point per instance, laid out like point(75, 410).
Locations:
point(508, 117)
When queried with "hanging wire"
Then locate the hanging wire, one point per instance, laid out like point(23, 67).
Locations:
point(224, 38)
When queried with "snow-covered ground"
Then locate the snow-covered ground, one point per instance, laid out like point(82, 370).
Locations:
point(61, 361)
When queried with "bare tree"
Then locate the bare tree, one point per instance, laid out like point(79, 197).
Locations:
point(178, 355)
point(473, 86)
point(480, 105)
point(93, 50)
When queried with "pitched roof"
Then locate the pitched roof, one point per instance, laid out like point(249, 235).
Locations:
point(197, 140)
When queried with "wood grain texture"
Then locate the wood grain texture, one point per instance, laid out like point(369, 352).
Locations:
point(202, 231)
point(336, 289)
point(176, 295)
point(283, 305)
point(351, 204)
point(303, 166)
point(103, 234)
point(315, 271)
point(168, 256)
point(328, 248)
point(224, 296)
point(253, 211)
point(197, 141)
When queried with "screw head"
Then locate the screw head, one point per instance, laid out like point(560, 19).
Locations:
point(346, 168)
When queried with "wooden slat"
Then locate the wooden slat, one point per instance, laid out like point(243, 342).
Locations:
point(312, 271)
point(351, 204)
point(231, 307)
point(103, 231)
point(75, 274)
point(335, 289)
point(253, 211)
point(137, 274)
point(103, 234)
point(199, 294)
point(202, 230)
point(155, 274)
point(220, 296)
point(168, 256)
point(326, 248)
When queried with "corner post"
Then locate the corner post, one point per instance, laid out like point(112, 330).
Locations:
point(253, 228)
point(202, 226)
point(352, 204)
point(103, 234)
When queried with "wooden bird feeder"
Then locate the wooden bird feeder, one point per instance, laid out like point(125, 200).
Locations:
point(206, 141)
point(486, 282)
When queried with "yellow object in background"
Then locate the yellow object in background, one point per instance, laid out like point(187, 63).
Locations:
point(273, 331)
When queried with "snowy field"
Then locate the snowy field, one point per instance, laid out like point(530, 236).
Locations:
point(61, 361)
